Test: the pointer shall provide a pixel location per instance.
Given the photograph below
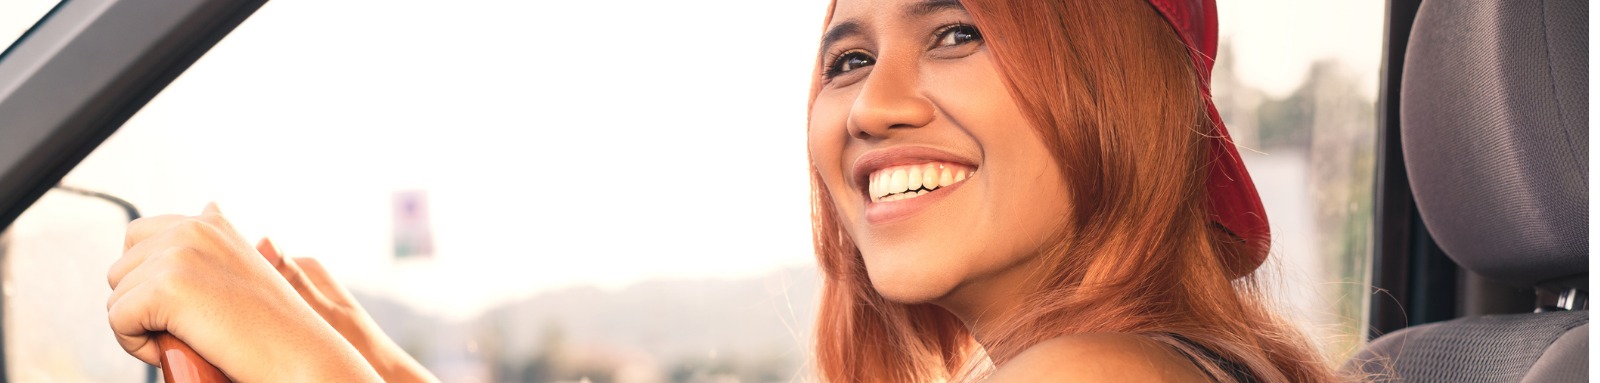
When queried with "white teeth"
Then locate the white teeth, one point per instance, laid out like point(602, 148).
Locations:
point(888, 178)
point(914, 178)
point(883, 183)
point(897, 181)
point(911, 181)
point(875, 185)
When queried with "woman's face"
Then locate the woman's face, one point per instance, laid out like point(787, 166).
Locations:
point(935, 173)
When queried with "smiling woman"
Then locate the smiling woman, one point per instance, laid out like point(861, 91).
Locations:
point(1042, 181)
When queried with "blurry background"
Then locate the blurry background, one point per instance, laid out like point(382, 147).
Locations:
point(561, 191)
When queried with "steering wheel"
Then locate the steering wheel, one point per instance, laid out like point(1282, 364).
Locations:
point(180, 364)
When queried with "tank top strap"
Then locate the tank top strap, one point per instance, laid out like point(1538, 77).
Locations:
point(1231, 368)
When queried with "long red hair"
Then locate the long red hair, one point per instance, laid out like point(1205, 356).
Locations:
point(1113, 94)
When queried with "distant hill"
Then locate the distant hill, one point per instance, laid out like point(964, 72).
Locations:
point(748, 330)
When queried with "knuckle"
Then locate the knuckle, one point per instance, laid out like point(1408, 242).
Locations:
point(285, 268)
point(213, 219)
point(193, 226)
point(217, 219)
point(179, 254)
point(291, 267)
point(117, 310)
point(293, 275)
point(168, 285)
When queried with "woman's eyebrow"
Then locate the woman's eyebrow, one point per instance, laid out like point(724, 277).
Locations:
point(928, 7)
point(839, 32)
point(915, 10)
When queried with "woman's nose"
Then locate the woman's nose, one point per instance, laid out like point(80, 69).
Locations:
point(891, 99)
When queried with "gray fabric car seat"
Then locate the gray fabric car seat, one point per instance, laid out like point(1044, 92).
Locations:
point(1494, 129)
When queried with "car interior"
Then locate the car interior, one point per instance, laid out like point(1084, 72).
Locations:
point(1479, 268)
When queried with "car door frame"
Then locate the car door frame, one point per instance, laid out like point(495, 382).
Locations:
point(80, 72)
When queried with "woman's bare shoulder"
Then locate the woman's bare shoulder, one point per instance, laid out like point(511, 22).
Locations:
point(1101, 357)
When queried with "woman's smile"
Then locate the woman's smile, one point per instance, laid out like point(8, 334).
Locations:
point(900, 182)
point(912, 181)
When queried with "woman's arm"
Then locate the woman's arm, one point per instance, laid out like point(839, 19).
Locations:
point(336, 306)
point(196, 278)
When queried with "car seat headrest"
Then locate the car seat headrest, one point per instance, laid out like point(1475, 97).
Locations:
point(1494, 127)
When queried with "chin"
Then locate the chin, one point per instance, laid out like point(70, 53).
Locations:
point(910, 277)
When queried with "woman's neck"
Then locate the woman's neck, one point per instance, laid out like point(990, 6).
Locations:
point(988, 305)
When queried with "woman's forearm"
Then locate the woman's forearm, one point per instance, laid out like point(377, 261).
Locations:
point(326, 358)
point(386, 357)
point(340, 310)
point(296, 345)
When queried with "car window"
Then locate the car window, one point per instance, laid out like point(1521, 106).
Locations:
point(525, 197)
point(1296, 82)
point(20, 15)
point(54, 303)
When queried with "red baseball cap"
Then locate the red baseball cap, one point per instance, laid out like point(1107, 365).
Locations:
point(1236, 207)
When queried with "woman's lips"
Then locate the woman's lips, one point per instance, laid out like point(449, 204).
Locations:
point(911, 181)
point(901, 181)
point(905, 204)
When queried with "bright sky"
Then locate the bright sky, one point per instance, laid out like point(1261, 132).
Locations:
point(561, 142)
point(1277, 40)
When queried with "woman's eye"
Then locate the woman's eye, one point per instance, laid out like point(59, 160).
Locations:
point(957, 35)
point(850, 61)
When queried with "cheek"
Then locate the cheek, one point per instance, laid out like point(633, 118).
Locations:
point(826, 137)
point(1024, 197)
point(1028, 194)
point(1035, 207)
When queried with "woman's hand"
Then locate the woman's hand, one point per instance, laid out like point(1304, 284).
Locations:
point(196, 278)
point(340, 309)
